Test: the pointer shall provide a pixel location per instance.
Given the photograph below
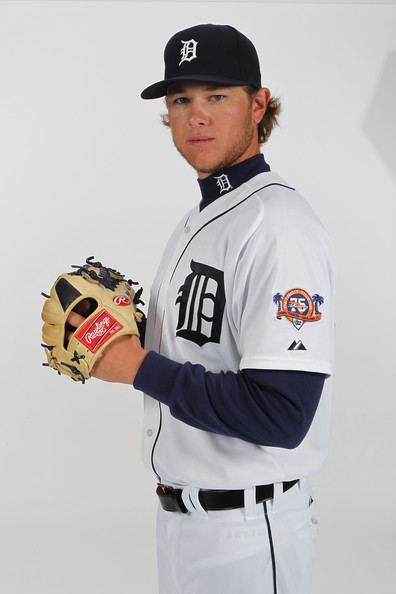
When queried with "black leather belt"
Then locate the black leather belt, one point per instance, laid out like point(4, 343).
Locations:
point(171, 499)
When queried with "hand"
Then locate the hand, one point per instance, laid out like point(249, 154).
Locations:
point(120, 360)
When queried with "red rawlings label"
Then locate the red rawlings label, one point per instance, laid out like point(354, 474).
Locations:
point(121, 300)
point(94, 333)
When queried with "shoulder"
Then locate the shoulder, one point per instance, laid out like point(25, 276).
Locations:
point(280, 226)
point(280, 210)
point(275, 197)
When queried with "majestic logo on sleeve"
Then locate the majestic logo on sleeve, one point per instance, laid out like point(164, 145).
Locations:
point(298, 307)
point(223, 183)
point(188, 51)
point(202, 300)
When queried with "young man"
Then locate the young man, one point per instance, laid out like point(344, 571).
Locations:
point(237, 362)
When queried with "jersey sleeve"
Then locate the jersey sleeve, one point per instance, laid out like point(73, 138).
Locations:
point(282, 304)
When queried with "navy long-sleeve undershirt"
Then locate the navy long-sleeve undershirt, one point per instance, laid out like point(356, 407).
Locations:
point(261, 406)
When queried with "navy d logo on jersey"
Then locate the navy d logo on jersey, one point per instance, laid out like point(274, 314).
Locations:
point(298, 307)
point(188, 51)
point(202, 300)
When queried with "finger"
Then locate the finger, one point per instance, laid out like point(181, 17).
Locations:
point(85, 307)
point(74, 319)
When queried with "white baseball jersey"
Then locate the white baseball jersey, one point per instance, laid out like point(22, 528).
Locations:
point(245, 283)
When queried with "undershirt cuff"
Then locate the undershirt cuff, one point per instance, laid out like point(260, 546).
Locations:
point(156, 376)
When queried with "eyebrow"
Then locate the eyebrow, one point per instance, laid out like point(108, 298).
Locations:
point(182, 89)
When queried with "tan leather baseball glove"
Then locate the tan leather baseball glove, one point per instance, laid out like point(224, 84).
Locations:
point(110, 306)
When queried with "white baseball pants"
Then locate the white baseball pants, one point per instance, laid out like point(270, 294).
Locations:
point(264, 548)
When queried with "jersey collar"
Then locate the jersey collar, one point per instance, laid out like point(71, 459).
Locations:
point(223, 181)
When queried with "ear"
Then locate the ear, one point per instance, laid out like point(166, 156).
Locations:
point(259, 104)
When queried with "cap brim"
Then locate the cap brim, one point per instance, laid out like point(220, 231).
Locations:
point(159, 89)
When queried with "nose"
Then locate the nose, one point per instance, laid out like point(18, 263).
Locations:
point(198, 115)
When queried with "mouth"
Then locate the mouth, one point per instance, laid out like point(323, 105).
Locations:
point(199, 141)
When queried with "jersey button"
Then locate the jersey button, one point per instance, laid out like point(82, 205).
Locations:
point(187, 229)
point(149, 432)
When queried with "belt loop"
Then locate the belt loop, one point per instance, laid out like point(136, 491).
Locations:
point(186, 499)
point(302, 484)
point(250, 505)
point(277, 497)
point(191, 501)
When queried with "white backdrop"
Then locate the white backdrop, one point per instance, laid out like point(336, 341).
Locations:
point(87, 169)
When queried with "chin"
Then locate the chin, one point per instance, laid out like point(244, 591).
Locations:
point(205, 165)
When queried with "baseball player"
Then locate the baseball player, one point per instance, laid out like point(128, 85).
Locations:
point(237, 361)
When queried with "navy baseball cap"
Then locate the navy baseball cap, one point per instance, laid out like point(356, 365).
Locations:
point(218, 54)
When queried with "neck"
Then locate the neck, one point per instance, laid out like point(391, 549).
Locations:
point(221, 182)
point(252, 151)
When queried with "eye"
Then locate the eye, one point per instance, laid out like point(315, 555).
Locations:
point(217, 98)
point(180, 100)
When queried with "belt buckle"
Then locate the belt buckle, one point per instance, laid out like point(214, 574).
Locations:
point(171, 498)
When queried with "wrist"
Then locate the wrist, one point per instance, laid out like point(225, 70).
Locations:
point(138, 359)
point(120, 361)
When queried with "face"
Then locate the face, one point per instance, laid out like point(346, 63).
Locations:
point(214, 127)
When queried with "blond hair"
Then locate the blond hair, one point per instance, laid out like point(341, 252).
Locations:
point(270, 118)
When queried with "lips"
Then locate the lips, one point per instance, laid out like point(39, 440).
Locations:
point(199, 140)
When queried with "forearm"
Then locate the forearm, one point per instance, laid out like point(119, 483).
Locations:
point(273, 408)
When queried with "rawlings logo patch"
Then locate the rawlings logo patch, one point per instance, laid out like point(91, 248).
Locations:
point(298, 307)
point(121, 300)
point(94, 333)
